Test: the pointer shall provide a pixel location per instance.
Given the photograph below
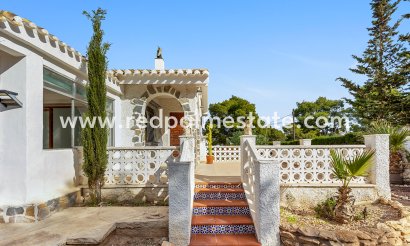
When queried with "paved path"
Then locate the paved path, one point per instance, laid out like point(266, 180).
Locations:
point(88, 223)
point(218, 172)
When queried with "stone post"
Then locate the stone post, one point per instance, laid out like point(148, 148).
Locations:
point(276, 143)
point(268, 191)
point(379, 173)
point(180, 189)
point(305, 142)
point(252, 141)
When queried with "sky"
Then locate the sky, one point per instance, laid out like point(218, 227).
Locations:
point(272, 53)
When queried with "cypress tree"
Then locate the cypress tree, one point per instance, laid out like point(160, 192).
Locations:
point(95, 138)
point(381, 97)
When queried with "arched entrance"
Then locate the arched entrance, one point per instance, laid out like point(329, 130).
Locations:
point(156, 99)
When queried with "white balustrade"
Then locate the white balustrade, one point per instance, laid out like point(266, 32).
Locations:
point(145, 166)
point(226, 153)
point(308, 164)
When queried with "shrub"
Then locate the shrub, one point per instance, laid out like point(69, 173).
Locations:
point(292, 142)
point(349, 138)
point(326, 209)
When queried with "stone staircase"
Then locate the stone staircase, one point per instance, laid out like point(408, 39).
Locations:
point(221, 215)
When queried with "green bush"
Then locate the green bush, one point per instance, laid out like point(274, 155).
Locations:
point(326, 208)
point(349, 138)
point(292, 142)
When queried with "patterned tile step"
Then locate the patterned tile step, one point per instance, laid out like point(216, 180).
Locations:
point(224, 185)
point(225, 240)
point(223, 229)
point(216, 190)
point(220, 203)
point(219, 196)
point(222, 220)
point(221, 211)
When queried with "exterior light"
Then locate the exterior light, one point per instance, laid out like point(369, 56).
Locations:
point(8, 100)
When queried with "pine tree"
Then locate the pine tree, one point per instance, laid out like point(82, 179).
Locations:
point(95, 138)
point(381, 97)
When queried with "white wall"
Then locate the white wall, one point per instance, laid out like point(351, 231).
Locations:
point(29, 174)
point(13, 142)
point(407, 145)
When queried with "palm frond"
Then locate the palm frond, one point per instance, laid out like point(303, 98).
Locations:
point(338, 166)
point(360, 164)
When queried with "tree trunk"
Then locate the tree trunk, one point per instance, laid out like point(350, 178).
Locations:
point(344, 207)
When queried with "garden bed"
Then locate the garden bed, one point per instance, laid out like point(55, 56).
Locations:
point(386, 222)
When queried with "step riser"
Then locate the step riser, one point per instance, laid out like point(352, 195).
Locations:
point(219, 186)
point(223, 229)
point(221, 211)
point(219, 196)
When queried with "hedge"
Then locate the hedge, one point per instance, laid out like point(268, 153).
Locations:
point(349, 138)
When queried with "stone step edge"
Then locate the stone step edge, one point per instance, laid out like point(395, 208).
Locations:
point(219, 190)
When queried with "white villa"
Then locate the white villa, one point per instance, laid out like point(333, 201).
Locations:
point(40, 160)
point(50, 77)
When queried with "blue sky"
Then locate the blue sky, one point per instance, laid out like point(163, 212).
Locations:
point(272, 53)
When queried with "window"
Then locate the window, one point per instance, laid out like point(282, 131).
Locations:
point(64, 98)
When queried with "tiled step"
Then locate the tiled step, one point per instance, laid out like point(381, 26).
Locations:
point(222, 220)
point(220, 203)
point(221, 211)
point(224, 185)
point(223, 229)
point(221, 207)
point(224, 239)
point(219, 194)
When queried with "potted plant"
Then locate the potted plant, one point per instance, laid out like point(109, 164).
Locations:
point(209, 157)
point(345, 169)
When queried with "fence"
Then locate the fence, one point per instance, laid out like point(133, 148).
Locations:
point(226, 153)
point(139, 166)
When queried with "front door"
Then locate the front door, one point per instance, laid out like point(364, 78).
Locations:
point(176, 131)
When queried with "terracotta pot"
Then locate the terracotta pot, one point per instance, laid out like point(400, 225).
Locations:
point(209, 159)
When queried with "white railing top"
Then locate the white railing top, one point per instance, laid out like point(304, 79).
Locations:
point(145, 148)
point(308, 146)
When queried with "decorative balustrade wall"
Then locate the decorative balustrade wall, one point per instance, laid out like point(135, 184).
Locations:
point(308, 164)
point(226, 153)
point(142, 166)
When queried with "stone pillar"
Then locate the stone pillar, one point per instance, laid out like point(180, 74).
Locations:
point(252, 141)
point(379, 173)
point(181, 190)
point(305, 142)
point(268, 191)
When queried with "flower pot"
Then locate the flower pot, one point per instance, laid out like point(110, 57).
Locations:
point(209, 159)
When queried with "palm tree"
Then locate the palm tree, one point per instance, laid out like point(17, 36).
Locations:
point(346, 169)
point(397, 140)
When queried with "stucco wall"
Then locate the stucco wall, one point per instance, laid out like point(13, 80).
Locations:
point(29, 173)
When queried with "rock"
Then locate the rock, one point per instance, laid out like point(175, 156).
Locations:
point(328, 235)
point(2, 219)
point(165, 243)
point(53, 204)
point(14, 211)
point(362, 235)
point(309, 240)
point(383, 201)
point(288, 235)
point(346, 236)
point(30, 211)
point(382, 239)
point(287, 242)
point(43, 211)
point(333, 243)
point(368, 243)
point(395, 241)
point(308, 231)
point(393, 234)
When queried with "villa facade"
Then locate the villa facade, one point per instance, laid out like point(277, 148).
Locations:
point(38, 155)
